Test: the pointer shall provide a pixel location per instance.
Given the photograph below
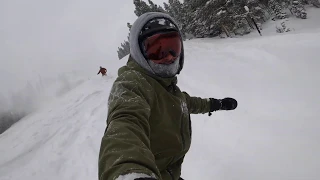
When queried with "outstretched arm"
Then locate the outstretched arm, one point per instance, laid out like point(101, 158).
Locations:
point(125, 146)
point(198, 105)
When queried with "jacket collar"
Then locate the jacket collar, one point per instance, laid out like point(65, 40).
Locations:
point(132, 65)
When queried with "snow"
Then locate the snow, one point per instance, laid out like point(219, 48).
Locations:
point(132, 176)
point(273, 134)
point(60, 139)
point(221, 12)
point(297, 25)
point(209, 2)
point(246, 8)
point(55, 45)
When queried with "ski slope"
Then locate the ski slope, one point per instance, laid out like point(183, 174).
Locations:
point(273, 134)
point(58, 141)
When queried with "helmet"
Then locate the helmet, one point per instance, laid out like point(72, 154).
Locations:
point(156, 44)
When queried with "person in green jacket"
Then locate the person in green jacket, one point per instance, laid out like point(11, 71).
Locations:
point(148, 126)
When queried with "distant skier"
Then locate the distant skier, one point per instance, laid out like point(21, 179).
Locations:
point(103, 71)
point(148, 124)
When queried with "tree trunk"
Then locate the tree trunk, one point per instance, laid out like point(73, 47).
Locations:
point(256, 26)
point(225, 30)
point(250, 24)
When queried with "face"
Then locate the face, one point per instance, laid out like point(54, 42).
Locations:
point(165, 70)
point(156, 44)
point(162, 51)
point(163, 48)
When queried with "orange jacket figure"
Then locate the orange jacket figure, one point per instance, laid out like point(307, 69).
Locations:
point(103, 71)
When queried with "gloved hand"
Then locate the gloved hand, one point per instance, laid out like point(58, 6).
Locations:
point(222, 104)
point(228, 104)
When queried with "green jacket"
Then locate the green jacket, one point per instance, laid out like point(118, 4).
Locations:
point(148, 126)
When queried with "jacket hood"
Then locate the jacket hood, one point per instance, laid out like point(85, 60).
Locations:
point(135, 31)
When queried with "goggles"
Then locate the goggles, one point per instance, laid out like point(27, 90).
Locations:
point(163, 48)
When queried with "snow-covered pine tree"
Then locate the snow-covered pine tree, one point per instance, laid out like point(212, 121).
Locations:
point(141, 7)
point(254, 15)
point(154, 7)
point(211, 18)
point(277, 9)
point(256, 10)
point(316, 3)
point(240, 17)
point(177, 10)
point(124, 49)
point(193, 5)
point(283, 28)
point(194, 24)
point(297, 9)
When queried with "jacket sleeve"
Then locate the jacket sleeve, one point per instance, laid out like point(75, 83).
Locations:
point(197, 105)
point(125, 146)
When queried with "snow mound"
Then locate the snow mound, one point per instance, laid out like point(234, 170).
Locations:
point(61, 140)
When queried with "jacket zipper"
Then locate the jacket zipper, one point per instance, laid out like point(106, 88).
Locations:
point(170, 172)
point(173, 88)
point(183, 140)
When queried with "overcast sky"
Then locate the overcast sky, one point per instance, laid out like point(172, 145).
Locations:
point(43, 36)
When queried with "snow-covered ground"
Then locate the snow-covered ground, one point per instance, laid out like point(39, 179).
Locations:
point(273, 134)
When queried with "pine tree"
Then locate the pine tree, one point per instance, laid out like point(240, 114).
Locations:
point(239, 13)
point(124, 50)
point(212, 17)
point(193, 5)
point(154, 7)
point(206, 16)
point(142, 7)
point(298, 9)
point(283, 28)
point(316, 3)
point(193, 24)
point(277, 9)
point(178, 11)
point(256, 10)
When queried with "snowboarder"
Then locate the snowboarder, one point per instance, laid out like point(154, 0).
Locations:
point(103, 71)
point(148, 125)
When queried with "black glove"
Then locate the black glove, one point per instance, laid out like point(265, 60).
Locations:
point(222, 104)
point(228, 104)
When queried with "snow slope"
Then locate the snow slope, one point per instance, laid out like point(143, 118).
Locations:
point(273, 134)
point(59, 140)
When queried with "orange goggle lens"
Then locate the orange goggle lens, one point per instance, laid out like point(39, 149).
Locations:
point(163, 48)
